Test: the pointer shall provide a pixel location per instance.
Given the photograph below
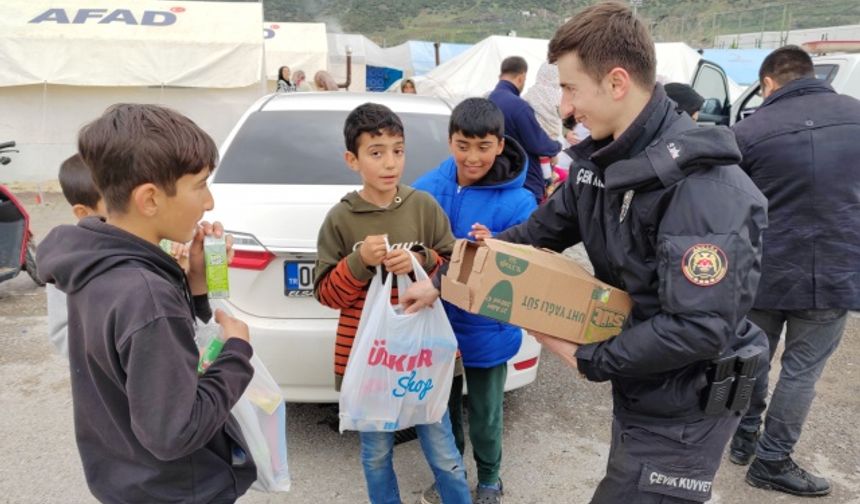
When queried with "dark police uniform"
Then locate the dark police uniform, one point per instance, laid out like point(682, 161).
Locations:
point(666, 214)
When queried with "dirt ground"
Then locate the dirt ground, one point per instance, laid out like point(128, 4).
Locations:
point(556, 432)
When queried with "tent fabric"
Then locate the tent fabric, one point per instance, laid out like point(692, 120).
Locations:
point(300, 46)
point(476, 70)
point(741, 65)
point(140, 43)
point(417, 57)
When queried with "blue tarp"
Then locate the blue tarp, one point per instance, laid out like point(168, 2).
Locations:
point(741, 65)
point(380, 78)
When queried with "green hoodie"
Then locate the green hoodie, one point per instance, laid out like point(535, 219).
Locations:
point(413, 221)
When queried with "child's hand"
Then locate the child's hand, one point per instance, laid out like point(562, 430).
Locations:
point(480, 232)
point(373, 250)
point(197, 264)
point(398, 262)
point(233, 327)
point(181, 252)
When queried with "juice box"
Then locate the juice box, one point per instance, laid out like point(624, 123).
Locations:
point(210, 353)
point(215, 255)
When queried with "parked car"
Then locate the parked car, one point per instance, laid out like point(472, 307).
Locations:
point(281, 171)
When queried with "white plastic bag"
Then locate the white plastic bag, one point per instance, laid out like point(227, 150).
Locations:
point(401, 366)
point(261, 414)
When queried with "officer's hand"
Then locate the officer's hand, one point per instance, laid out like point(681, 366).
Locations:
point(563, 348)
point(419, 295)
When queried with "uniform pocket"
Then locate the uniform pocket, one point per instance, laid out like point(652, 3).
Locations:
point(679, 482)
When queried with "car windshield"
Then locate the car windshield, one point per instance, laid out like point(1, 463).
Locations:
point(307, 146)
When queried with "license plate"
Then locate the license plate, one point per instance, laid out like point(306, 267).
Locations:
point(298, 278)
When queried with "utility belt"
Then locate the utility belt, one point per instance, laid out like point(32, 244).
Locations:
point(731, 380)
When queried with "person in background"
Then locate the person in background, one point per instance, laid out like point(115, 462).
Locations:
point(301, 81)
point(284, 83)
point(686, 97)
point(323, 81)
point(81, 193)
point(800, 148)
point(544, 97)
point(408, 87)
point(522, 125)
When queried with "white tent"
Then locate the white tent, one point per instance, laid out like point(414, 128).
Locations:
point(300, 46)
point(475, 72)
point(65, 61)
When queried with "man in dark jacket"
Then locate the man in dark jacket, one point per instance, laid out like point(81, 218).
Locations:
point(521, 123)
point(666, 214)
point(801, 149)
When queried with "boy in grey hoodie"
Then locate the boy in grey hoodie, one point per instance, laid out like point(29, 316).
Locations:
point(148, 428)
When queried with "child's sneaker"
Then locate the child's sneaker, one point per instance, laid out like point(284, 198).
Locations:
point(489, 494)
point(430, 496)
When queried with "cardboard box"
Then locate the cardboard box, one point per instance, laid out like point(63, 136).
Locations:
point(537, 290)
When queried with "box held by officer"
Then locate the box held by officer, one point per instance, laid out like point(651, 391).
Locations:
point(535, 289)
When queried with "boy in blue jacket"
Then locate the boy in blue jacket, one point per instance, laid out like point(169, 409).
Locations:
point(480, 187)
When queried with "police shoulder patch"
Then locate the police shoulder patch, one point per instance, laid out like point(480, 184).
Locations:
point(704, 264)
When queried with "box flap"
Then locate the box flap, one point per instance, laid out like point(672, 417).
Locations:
point(456, 292)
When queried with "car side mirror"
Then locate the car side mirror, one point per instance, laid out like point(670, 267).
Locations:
point(711, 106)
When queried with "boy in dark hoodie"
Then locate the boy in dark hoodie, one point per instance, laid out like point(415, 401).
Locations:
point(481, 189)
point(148, 428)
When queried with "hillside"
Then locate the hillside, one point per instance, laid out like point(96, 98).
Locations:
point(390, 22)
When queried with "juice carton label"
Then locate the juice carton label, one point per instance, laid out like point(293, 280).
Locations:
point(215, 254)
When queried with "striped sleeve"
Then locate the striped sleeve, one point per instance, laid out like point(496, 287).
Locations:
point(339, 289)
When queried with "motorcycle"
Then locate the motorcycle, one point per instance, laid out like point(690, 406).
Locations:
point(17, 246)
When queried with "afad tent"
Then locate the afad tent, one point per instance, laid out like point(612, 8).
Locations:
point(475, 72)
point(300, 46)
point(65, 61)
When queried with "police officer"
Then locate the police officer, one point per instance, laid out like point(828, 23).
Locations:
point(666, 214)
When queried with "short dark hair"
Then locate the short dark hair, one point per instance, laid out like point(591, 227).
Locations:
point(786, 64)
point(514, 65)
point(133, 144)
point(76, 181)
point(477, 118)
point(608, 35)
point(371, 118)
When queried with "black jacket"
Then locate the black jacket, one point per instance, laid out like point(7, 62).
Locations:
point(522, 125)
point(147, 428)
point(665, 194)
point(802, 149)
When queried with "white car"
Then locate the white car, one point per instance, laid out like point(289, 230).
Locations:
point(281, 171)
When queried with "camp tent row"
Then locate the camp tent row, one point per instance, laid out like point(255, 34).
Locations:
point(65, 61)
point(476, 70)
